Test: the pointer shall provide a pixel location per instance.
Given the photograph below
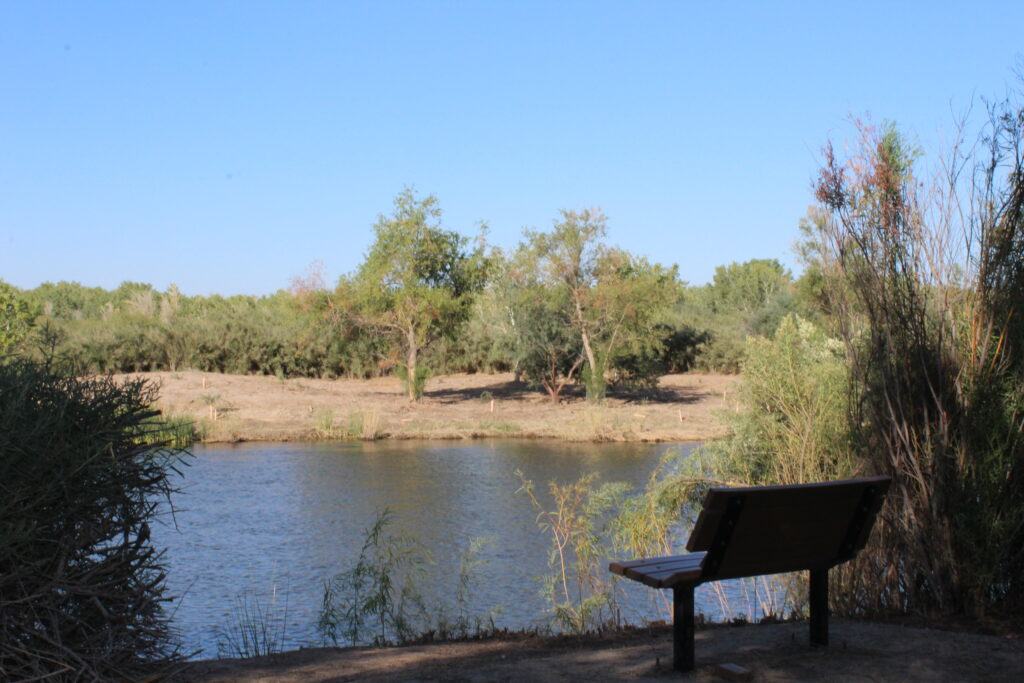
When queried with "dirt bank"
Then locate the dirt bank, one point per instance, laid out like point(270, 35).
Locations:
point(259, 408)
point(779, 652)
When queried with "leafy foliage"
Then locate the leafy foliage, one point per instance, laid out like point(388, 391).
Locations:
point(579, 589)
point(15, 318)
point(378, 600)
point(791, 427)
point(417, 283)
point(563, 307)
point(743, 299)
point(613, 299)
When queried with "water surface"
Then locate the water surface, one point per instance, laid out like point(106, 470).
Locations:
point(276, 520)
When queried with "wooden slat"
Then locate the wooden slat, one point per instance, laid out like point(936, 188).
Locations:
point(660, 562)
point(670, 577)
point(812, 495)
point(661, 572)
point(831, 500)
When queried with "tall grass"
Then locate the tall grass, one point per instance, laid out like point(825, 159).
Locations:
point(926, 279)
point(253, 629)
point(360, 425)
point(176, 431)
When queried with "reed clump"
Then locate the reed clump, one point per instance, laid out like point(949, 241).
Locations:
point(924, 275)
point(84, 470)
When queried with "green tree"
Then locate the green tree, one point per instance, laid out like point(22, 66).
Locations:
point(744, 299)
point(417, 283)
point(615, 299)
point(15, 318)
point(545, 348)
point(748, 286)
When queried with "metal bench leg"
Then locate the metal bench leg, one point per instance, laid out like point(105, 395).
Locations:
point(819, 606)
point(682, 627)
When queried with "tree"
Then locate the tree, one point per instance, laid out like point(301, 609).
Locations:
point(615, 299)
point(550, 349)
point(546, 346)
point(748, 286)
point(417, 283)
point(743, 299)
point(15, 318)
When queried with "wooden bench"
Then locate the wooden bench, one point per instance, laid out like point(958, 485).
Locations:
point(761, 530)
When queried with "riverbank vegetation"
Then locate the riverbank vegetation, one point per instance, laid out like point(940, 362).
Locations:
point(561, 309)
point(83, 473)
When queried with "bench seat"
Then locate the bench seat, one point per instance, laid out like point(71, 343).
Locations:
point(662, 572)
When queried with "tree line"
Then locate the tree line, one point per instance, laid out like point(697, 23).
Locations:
point(562, 309)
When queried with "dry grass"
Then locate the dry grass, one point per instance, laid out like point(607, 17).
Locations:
point(258, 408)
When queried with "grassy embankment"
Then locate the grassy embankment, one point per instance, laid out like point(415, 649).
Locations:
point(230, 408)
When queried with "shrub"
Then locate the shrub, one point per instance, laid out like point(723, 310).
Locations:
point(791, 427)
point(378, 601)
point(578, 588)
point(82, 475)
point(926, 279)
point(418, 381)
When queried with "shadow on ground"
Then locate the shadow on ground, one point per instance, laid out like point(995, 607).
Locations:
point(520, 391)
point(776, 652)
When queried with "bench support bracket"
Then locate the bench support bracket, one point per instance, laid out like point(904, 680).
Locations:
point(682, 627)
point(819, 606)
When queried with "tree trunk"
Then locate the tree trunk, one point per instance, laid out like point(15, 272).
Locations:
point(410, 367)
point(589, 351)
point(583, 333)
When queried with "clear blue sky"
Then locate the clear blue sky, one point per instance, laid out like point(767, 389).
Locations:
point(224, 146)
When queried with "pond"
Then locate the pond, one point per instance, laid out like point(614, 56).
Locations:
point(273, 521)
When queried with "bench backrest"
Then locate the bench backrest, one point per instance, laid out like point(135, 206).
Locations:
point(772, 529)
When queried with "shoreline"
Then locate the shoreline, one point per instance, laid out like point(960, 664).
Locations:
point(253, 408)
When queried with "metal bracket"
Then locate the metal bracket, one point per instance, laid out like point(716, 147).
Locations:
point(860, 517)
point(726, 525)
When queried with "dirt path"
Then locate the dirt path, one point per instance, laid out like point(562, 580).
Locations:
point(259, 408)
point(860, 651)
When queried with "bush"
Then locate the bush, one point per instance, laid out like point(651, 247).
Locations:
point(792, 424)
point(578, 588)
point(418, 380)
point(82, 475)
point(926, 279)
point(377, 601)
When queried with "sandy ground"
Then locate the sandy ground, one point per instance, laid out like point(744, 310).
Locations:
point(859, 651)
point(258, 408)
